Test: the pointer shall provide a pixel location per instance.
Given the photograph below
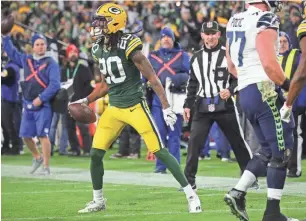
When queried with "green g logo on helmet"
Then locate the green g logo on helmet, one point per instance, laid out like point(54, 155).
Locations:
point(114, 10)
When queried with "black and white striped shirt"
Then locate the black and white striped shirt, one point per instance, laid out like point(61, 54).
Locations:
point(208, 74)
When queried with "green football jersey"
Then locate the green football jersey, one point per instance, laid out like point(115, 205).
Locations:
point(120, 73)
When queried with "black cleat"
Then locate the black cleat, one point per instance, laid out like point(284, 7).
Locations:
point(294, 174)
point(277, 217)
point(235, 199)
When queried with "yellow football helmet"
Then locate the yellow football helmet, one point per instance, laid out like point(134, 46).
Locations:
point(109, 19)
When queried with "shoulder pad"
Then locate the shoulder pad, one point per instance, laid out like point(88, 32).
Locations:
point(130, 43)
point(301, 31)
point(268, 20)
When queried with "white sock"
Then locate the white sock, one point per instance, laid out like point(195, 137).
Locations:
point(98, 195)
point(189, 191)
point(246, 180)
point(275, 193)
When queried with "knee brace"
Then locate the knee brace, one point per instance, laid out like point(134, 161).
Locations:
point(258, 165)
point(96, 154)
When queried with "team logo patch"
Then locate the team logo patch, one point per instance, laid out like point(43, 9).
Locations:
point(95, 47)
point(46, 130)
point(114, 10)
point(209, 24)
point(220, 74)
point(211, 107)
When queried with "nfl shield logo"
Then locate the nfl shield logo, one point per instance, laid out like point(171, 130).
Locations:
point(211, 107)
point(220, 74)
point(209, 24)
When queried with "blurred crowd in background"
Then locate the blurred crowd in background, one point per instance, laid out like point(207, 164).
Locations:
point(69, 21)
point(66, 22)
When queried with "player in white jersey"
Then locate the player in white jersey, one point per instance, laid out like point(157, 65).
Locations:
point(252, 42)
point(241, 33)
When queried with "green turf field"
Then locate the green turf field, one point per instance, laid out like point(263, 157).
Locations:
point(28, 199)
point(47, 199)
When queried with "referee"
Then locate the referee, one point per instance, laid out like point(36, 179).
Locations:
point(289, 59)
point(210, 92)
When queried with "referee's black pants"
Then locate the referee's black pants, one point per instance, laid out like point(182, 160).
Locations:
point(228, 122)
point(10, 123)
point(295, 162)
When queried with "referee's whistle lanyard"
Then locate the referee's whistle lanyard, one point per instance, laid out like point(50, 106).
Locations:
point(74, 71)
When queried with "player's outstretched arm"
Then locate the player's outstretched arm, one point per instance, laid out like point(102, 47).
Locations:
point(299, 79)
point(144, 66)
point(100, 91)
point(265, 45)
point(230, 65)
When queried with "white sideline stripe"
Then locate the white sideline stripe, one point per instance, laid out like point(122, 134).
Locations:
point(296, 202)
point(122, 189)
point(141, 179)
point(79, 190)
point(131, 214)
point(80, 184)
point(44, 183)
point(106, 190)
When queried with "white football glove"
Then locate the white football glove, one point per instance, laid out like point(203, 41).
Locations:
point(285, 113)
point(80, 101)
point(169, 117)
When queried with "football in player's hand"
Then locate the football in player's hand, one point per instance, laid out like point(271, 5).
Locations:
point(7, 24)
point(82, 113)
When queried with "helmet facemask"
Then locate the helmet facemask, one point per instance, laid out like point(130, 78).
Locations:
point(99, 28)
point(276, 6)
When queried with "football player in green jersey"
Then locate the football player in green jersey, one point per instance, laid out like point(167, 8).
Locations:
point(121, 62)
